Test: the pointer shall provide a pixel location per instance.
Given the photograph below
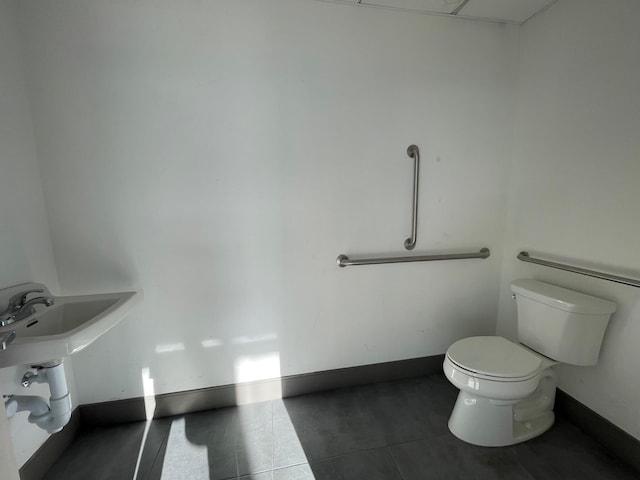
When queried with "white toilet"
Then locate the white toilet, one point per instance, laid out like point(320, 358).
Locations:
point(507, 390)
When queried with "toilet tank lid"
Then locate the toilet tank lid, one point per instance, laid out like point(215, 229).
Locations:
point(562, 298)
point(494, 356)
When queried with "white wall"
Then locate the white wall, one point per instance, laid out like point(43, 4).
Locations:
point(574, 192)
point(25, 242)
point(220, 155)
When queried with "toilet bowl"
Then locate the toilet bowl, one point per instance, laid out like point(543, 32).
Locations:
point(507, 389)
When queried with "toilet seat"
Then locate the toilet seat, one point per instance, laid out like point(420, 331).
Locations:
point(495, 358)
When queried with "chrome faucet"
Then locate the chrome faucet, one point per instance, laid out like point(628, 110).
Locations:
point(19, 308)
point(6, 338)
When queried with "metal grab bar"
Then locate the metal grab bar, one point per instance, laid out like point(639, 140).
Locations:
point(524, 256)
point(344, 261)
point(414, 152)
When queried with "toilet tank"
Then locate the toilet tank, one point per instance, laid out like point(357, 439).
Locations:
point(559, 323)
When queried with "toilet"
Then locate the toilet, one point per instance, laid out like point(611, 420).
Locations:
point(507, 389)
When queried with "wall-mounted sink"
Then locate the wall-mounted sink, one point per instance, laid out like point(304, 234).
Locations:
point(53, 332)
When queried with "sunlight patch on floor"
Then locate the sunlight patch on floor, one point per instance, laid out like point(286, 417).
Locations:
point(183, 457)
point(288, 449)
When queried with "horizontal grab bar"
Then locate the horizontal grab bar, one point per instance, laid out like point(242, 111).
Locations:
point(344, 261)
point(524, 256)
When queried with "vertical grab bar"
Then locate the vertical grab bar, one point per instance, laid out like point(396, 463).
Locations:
point(414, 153)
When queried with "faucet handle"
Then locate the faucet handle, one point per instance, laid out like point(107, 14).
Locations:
point(19, 299)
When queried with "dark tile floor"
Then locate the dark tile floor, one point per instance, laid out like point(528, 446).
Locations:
point(387, 431)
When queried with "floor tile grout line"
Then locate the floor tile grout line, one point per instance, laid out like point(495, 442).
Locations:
point(273, 438)
point(514, 456)
point(395, 464)
point(235, 454)
point(296, 464)
point(258, 472)
point(333, 457)
point(419, 438)
point(291, 465)
point(430, 437)
point(165, 440)
point(330, 457)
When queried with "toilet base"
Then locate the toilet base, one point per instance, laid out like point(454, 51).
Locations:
point(497, 423)
point(478, 421)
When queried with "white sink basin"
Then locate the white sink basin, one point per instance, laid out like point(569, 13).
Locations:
point(64, 328)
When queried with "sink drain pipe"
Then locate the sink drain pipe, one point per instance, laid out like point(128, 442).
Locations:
point(50, 416)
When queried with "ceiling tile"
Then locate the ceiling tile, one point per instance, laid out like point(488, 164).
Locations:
point(433, 6)
point(506, 10)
